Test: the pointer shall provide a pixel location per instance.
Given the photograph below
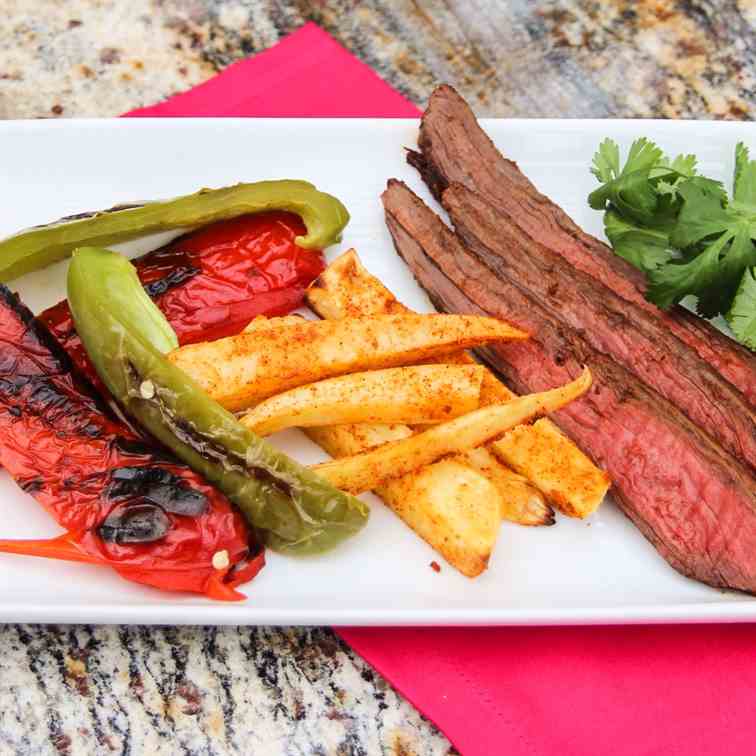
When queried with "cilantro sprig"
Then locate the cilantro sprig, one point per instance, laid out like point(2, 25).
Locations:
point(682, 230)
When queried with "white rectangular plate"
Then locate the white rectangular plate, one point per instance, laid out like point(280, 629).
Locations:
point(599, 571)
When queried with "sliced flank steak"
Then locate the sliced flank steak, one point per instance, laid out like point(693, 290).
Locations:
point(692, 500)
point(628, 334)
point(455, 149)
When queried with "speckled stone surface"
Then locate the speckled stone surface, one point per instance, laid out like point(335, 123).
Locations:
point(104, 690)
point(209, 691)
point(690, 58)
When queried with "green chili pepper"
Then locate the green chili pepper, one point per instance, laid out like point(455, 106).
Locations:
point(323, 215)
point(124, 333)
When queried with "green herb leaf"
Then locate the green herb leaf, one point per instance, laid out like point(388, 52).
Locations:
point(702, 213)
point(739, 257)
point(742, 314)
point(644, 248)
point(632, 190)
point(606, 161)
point(681, 230)
point(744, 185)
point(632, 194)
point(643, 156)
point(673, 281)
point(685, 165)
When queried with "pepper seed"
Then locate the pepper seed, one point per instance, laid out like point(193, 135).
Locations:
point(221, 560)
point(147, 389)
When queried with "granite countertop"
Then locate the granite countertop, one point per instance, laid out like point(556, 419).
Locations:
point(132, 690)
point(691, 59)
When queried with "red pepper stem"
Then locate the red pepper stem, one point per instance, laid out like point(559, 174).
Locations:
point(62, 547)
point(216, 589)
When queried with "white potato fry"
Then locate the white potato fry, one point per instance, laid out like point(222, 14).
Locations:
point(346, 440)
point(419, 394)
point(346, 288)
point(451, 507)
point(564, 473)
point(362, 472)
point(521, 502)
point(448, 504)
point(261, 323)
point(244, 369)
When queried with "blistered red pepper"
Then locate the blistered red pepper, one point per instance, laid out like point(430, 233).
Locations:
point(210, 283)
point(123, 502)
point(92, 473)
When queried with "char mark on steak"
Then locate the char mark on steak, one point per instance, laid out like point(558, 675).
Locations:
point(693, 501)
point(454, 149)
point(625, 332)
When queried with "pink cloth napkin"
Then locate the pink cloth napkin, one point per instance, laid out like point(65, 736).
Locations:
point(307, 74)
point(625, 691)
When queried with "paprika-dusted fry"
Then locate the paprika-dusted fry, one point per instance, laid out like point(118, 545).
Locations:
point(241, 370)
point(543, 452)
point(346, 289)
point(452, 508)
point(261, 323)
point(520, 502)
point(448, 504)
point(363, 472)
point(419, 394)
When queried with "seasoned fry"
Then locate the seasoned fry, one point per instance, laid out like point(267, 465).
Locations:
point(421, 394)
point(363, 472)
point(347, 440)
point(520, 501)
point(448, 504)
point(242, 370)
point(451, 507)
point(347, 289)
point(565, 474)
point(261, 323)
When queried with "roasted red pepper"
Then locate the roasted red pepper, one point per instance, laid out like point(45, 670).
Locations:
point(122, 501)
point(212, 282)
point(91, 472)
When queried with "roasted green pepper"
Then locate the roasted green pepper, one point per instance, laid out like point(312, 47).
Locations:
point(126, 336)
point(324, 216)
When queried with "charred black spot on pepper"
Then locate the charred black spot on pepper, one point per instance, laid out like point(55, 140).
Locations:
point(135, 447)
point(135, 523)
point(11, 386)
point(174, 278)
point(92, 430)
point(157, 486)
point(215, 452)
point(45, 394)
point(15, 411)
point(32, 485)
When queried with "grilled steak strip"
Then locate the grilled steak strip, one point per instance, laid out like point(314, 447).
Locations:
point(695, 503)
point(454, 148)
point(627, 333)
